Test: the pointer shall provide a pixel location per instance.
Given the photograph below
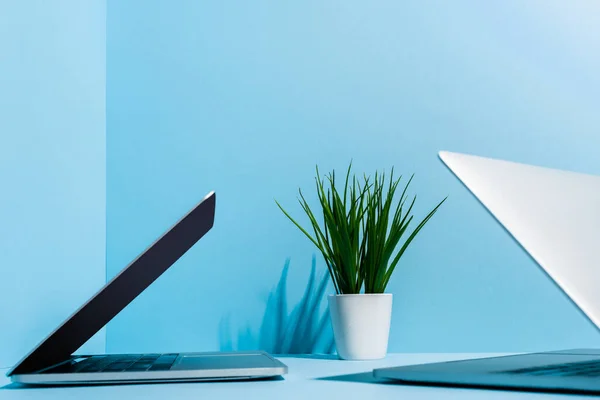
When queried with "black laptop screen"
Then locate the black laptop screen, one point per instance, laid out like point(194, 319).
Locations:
point(121, 290)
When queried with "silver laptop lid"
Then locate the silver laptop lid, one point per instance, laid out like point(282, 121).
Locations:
point(554, 215)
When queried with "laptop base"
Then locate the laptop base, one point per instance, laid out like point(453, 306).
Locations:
point(151, 368)
point(568, 371)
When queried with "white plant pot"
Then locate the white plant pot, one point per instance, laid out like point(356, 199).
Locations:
point(361, 324)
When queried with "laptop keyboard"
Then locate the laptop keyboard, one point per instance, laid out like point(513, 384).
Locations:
point(581, 368)
point(125, 363)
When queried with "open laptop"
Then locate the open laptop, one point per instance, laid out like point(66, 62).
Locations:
point(53, 361)
point(555, 216)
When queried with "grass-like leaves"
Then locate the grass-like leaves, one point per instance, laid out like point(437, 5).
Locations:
point(365, 228)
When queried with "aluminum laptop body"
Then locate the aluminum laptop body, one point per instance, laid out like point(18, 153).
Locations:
point(53, 362)
point(555, 216)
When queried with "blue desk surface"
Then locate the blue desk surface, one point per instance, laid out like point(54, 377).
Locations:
point(310, 377)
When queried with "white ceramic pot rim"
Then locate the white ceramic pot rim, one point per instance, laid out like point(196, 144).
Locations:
point(360, 294)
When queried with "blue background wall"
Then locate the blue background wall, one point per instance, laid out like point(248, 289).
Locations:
point(246, 97)
point(52, 166)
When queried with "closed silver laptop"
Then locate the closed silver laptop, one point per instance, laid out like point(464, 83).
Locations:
point(53, 362)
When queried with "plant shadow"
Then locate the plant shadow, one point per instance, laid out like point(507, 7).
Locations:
point(312, 356)
point(306, 330)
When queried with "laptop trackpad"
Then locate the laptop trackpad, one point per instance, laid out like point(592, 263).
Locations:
point(222, 361)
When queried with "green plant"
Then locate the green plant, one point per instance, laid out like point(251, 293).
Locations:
point(363, 225)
